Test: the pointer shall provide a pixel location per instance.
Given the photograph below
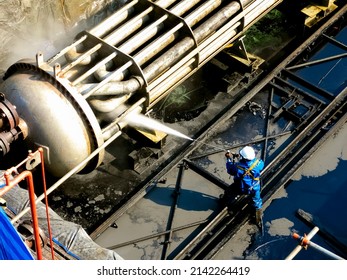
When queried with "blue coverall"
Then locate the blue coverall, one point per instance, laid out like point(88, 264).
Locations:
point(248, 183)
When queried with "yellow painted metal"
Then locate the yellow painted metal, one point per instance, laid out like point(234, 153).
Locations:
point(154, 135)
point(315, 13)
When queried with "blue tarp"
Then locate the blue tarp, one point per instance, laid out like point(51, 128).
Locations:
point(12, 246)
point(70, 236)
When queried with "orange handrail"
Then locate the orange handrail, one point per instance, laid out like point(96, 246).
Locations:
point(30, 182)
point(46, 200)
point(29, 177)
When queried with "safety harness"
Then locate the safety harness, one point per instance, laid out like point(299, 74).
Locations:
point(248, 171)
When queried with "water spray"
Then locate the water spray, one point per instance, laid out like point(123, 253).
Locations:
point(143, 121)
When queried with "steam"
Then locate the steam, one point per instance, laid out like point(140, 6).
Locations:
point(29, 28)
point(32, 26)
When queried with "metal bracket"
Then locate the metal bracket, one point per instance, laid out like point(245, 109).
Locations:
point(34, 160)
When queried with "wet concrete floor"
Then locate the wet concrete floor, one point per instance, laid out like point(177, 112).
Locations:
point(197, 201)
point(318, 188)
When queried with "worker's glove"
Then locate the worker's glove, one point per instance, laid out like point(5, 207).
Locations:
point(235, 156)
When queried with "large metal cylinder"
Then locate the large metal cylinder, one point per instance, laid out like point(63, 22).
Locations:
point(138, 54)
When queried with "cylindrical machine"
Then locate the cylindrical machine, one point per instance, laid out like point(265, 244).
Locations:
point(72, 101)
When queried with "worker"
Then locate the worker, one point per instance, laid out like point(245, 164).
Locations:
point(246, 172)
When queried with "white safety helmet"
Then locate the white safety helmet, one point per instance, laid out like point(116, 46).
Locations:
point(247, 153)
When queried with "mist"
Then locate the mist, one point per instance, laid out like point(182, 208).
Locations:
point(31, 26)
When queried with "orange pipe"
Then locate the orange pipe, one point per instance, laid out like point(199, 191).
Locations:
point(9, 185)
point(46, 201)
point(296, 236)
point(304, 241)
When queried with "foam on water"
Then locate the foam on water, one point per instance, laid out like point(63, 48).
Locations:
point(142, 121)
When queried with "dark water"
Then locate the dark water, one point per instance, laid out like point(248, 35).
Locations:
point(325, 198)
point(330, 75)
